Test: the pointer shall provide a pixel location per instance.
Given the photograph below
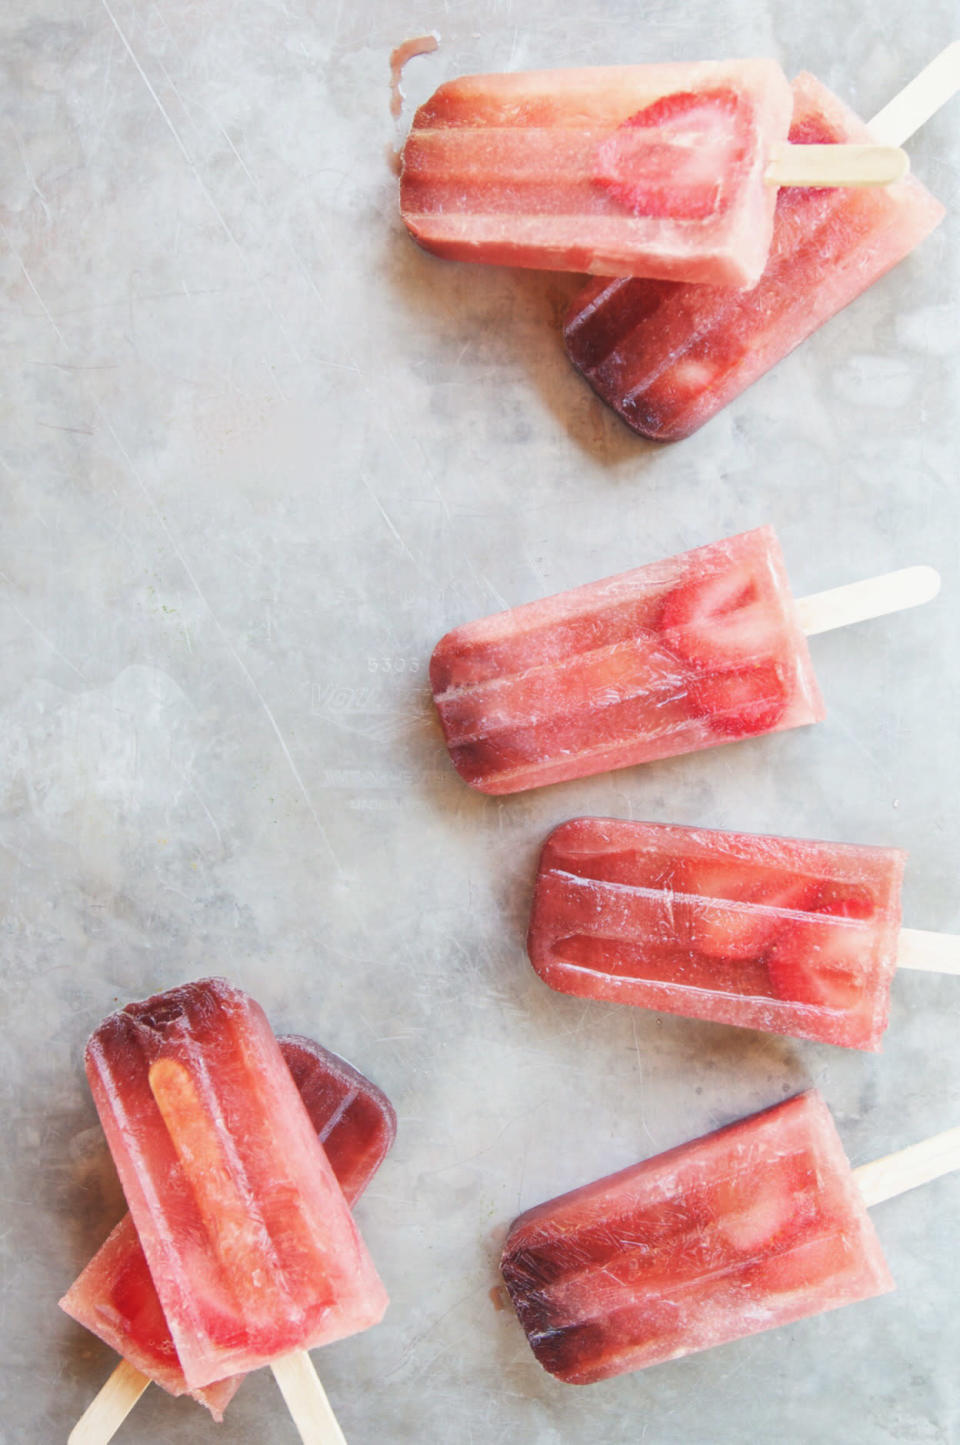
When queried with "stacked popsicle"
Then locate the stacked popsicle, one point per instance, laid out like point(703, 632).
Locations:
point(667, 356)
point(239, 1250)
point(665, 178)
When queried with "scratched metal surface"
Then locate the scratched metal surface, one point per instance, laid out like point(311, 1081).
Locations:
point(258, 452)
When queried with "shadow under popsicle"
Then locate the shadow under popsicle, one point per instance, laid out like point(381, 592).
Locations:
point(510, 315)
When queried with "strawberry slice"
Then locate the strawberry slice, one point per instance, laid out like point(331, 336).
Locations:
point(741, 702)
point(677, 156)
point(814, 963)
point(708, 596)
point(846, 900)
point(739, 933)
point(718, 621)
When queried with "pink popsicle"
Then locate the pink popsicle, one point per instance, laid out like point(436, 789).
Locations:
point(638, 170)
point(250, 1242)
point(701, 649)
point(115, 1297)
point(754, 1226)
point(668, 356)
point(782, 934)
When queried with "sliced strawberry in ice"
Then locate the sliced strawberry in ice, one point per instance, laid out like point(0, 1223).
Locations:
point(709, 596)
point(822, 964)
point(719, 621)
point(732, 932)
point(846, 900)
point(741, 702)
point(729, 878)
point(723, 926)
point(818, 964)
point(673, 157)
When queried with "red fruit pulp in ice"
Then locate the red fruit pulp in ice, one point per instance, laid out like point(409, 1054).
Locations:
point(845, 900)
point(743, 701)
point(816, 974)
point(670, 158)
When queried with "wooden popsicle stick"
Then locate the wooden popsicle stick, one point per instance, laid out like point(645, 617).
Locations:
point(937, 83)
point(873, 597)
point(306, 1400)
point(835, 165)
point(908, 1168)
point(929, 952)
point(107, 1411)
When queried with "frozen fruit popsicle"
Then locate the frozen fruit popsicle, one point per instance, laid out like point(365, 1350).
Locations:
point(115, 1297)
point(701, 649)
point(757, 1225)
point(250, 1242)
point(782, 934)
point(638, 170)
point(668, 356)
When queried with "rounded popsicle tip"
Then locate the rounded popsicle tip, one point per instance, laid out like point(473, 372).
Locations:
point(925, 583)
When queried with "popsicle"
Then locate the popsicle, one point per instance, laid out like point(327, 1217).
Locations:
point(757, 1225)
point(115, 1298)
point(701, 649)
point(665, 170)
point(788, 935)
point(249, 1240)
point(668, 356)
